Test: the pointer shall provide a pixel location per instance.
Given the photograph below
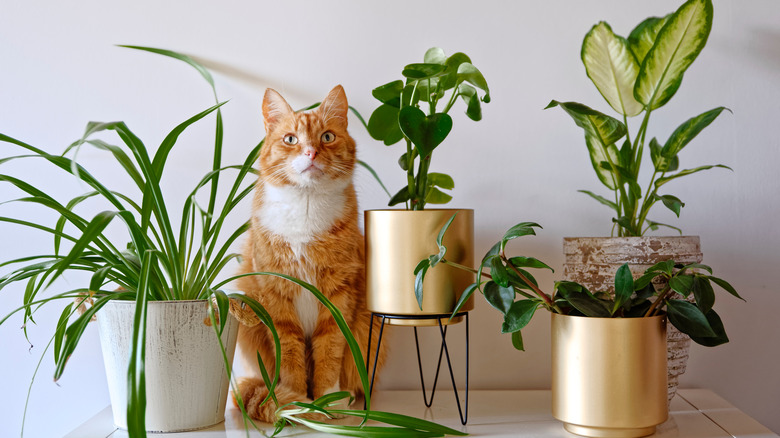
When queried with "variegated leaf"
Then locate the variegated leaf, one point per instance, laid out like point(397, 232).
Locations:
point(677, 45)
point(642, 38)
point(613, 69)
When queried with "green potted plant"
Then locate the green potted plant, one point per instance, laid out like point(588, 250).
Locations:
point(636, 76)
point(160, 280)
point(415, 112)
point(609, 349)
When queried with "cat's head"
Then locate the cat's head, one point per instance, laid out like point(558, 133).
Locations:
point(307, 149)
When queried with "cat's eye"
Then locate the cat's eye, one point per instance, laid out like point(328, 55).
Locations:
point(290, 139)
point(328, 137)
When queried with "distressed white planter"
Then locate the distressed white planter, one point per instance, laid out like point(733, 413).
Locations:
point(186, 381)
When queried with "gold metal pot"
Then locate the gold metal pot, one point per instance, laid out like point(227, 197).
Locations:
point(609, 375)
point(396, 241)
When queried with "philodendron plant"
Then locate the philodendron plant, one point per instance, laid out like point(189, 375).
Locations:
point(510, 288)
point(438, 80)
point(163, 256)
point(636, 76)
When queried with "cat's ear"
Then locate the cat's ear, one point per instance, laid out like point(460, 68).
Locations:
point(334, 107)
point(274, 109)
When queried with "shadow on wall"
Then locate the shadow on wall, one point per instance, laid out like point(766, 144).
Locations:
point(297, 93)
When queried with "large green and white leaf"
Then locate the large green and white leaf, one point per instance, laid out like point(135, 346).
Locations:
point(612, 67)
point(688, 130)
point(642, 38)
point(601, 133)
point(677, 45)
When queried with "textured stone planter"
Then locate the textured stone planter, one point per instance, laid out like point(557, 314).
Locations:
point(186, 382)
point(593, 261)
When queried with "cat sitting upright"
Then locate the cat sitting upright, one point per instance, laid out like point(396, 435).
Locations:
point(304, 224)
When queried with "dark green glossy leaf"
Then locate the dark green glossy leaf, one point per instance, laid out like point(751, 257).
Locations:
point(443, 231)
point(389, 93)
point(579, 298)
point(726, 286)
point(426, 132)
point(450, 79)
point(419, 272)
point(624, 287)
point(661, 163)
point(383, 125)
point(682, 284)
point(400, 197)
point(688, 131)
point(464, 297)
point(519, 315)
point(702, 291)
point(500, 297)
point(518, 282)
point(517, 341)
point(529, 262)
point(643, 281)
point(666, 266)
point(717, 326)
point(671, 202)
point(499, 272)
point(692, 266)
point(688, 318)
point(625, 222)
point(473, 105)
point(519, 230)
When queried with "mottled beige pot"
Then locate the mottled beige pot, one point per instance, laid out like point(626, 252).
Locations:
point(186, 382)
point(396, 241)
point(609, 375)
point(593, 261)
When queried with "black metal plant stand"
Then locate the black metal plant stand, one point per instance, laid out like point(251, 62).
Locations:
point(443, 351)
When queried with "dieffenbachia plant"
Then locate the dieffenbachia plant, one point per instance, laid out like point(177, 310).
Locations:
point(439, 79)
point(637, 75)
point(508, 286)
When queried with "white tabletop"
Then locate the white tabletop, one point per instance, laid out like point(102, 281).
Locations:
point(695, 413)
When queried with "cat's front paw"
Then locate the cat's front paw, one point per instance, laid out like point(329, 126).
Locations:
point(254, 395)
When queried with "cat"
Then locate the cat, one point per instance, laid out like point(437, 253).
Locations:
point(305, 224)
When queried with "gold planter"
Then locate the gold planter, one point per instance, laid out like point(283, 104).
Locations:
point(396, 241)
point(609, 375)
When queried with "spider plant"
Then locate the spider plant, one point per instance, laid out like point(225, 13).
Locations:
point(159, 261)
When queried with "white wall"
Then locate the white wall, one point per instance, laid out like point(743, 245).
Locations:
point(60, 70)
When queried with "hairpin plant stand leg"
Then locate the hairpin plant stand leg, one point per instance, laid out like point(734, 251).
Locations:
point(463, 411)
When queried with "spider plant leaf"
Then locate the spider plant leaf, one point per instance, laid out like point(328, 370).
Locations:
point(374, 174)
point(181, 57)
point(405, 421)
point(676, 46)
point(642, 37)
point(612, 67)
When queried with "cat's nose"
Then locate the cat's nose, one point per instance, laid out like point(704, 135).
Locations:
point(310, 152)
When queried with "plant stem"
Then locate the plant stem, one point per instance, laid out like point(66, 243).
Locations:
point(483, 274)
point(661, 298)
point(453, 98)
point(548, 301)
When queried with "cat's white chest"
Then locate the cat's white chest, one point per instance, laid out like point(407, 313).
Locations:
point(299, 215)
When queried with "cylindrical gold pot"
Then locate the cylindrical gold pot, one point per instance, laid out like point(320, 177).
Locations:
point(593, 261)
point(609, 375)
point(396, 241)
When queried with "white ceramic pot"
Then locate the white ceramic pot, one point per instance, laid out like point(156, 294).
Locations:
point(186, 382)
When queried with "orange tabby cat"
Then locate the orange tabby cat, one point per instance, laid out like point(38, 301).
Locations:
point(304, 224)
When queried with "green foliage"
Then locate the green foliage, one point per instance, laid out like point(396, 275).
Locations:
point(637, 75)
point(401, 117)
point(513, 291)
point(158, 261)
